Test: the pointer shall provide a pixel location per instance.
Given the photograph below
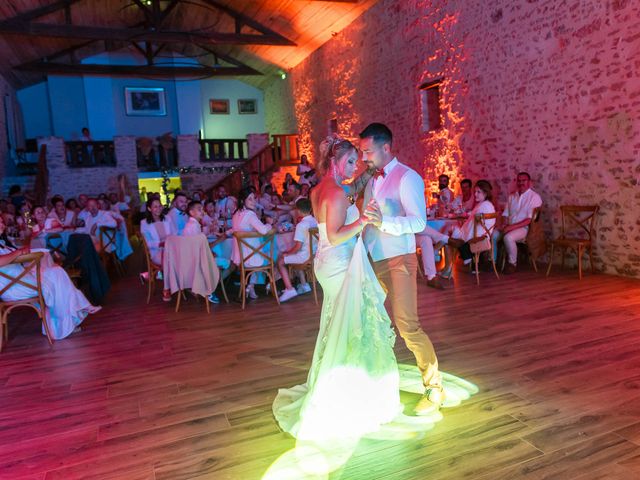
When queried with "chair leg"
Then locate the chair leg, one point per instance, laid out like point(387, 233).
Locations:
point(224, 290)
point(495, 269)
point(476, 257)
point(178, 300)
point(44, 324)
point(532, 260)
point(591, 259)
point(243, 287)
point(206, 302)
point(564, 250)
point(579, 252)
point(315, 289)
point(2, 328)
point(273, 286)
point(550, 260)
point(150, 287)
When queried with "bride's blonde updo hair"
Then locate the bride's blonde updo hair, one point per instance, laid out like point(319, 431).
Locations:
point(331, 149)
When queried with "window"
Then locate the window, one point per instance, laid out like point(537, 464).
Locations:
point(333, 126)
point(430, 102)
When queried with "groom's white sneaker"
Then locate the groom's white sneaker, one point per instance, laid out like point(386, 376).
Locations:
point(288, 294)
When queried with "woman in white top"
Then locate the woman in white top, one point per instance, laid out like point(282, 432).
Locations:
point(460, 236)
point(43, 224)
point(246, 220)
point(66, 306)
point(155, 228)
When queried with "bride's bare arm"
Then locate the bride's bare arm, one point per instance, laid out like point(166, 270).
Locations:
point(336, 214)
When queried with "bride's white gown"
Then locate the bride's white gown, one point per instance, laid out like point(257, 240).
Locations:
point(353, 384)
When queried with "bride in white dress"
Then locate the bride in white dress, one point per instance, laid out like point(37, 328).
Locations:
point(353, 383)
point(353, 386)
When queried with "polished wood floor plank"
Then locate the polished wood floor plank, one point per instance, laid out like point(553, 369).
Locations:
point(144, 393)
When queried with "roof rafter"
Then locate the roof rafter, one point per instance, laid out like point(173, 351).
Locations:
point(52, 68)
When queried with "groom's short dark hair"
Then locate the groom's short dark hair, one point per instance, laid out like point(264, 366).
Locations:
point(379, 132)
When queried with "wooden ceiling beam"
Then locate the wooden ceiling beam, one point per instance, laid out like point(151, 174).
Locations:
point(242, 19)
point(139, 34)
point(222, 56)
point(40, 12)
point(50, 68)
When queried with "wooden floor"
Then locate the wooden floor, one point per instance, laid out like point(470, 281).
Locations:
point(144, 393)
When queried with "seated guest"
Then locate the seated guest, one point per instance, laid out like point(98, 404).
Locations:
point(178, 213)
point(193, 225)
point(286, 211)
point(16, 197)
point(82, 201)
point(304, 190)
point(225, 205)
point(210, 218)
point(266, 202)
point(155, 228)
point(304, 167)
point(122, 245)
point(246, 220)
point(43, 224)
point(66, 306)
point(105, 206)
point(460, 236)
point(466, 200)
point(299, 252)
point(118, 205)
point(72, 205)
point(288, 180)
point(94, 218)
point(65, 216)
point(445, 196)
point(425, 241)
point(516, 218)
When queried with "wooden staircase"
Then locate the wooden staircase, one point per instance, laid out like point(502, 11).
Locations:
point(283, 151)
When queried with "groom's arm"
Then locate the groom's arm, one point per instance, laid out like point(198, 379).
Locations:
point(412, 198)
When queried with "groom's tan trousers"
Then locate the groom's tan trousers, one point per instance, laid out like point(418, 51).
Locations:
point(398, 276)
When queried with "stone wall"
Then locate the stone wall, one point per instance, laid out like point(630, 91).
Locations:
point(279, 117)
point(70, 182)
point(543, 86)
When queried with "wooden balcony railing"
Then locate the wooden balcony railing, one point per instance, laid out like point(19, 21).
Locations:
point(223, 150)
point(285, 149)
point(156, 158)
point(90, 154)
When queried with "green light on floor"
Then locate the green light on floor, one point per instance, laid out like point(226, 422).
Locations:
point(320, 450)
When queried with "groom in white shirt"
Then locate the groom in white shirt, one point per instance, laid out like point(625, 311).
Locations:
point(395, 195)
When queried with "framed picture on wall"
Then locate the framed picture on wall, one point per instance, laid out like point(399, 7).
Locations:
point(247, 106)
point(219, 106)
point(140, 101)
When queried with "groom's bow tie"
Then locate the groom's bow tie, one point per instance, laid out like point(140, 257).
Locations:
point(379, 173)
